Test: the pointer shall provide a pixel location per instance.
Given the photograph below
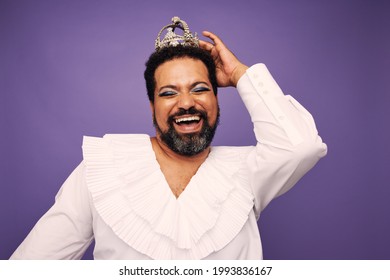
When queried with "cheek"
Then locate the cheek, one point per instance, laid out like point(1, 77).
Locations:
point(158, 116)
point(161, 111)
point(211, 107)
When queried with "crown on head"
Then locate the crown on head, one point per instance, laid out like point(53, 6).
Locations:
point(171, 39)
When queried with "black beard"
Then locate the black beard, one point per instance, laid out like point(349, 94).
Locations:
point(192, 143)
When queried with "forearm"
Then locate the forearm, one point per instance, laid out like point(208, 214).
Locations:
point(288, 144)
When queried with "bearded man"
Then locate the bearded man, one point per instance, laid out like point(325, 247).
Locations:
point(174, 196)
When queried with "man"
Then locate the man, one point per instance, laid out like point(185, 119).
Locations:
point(173, 196)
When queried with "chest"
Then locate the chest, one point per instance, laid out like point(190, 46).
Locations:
point(178, 177)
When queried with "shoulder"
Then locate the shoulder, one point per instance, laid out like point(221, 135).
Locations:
point(111, 144)
point(117, 138)
point(220, 150)
point(234, 153)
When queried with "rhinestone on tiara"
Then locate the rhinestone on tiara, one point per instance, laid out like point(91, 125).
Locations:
point(171, 39)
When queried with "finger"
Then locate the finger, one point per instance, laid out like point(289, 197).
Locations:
point(213, 37)
point(206, 45)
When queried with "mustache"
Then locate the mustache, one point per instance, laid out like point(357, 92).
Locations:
point(190, 111)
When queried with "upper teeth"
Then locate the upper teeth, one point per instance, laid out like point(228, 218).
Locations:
point(188, 119)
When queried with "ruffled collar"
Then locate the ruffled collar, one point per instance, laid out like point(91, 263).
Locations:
point(130, 193)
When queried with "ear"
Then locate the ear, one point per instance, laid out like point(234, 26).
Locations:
point(151, 104)
point(216, 98)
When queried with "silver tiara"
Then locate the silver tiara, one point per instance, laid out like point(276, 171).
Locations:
point(171, 39)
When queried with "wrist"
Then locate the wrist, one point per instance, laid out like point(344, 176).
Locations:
point(238, 73)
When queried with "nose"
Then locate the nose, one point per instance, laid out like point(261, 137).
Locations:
point(186, 101)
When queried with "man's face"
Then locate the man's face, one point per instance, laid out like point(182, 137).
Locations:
point(185, 109)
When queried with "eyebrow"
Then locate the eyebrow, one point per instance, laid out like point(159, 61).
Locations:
point(175, 87)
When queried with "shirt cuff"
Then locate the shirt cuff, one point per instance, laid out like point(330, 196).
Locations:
point(258, 79)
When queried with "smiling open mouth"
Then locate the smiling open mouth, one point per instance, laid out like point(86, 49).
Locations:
point(187, 120)
point(188, 123)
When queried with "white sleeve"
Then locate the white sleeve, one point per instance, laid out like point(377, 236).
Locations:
point(288, 144)
point(65, 231)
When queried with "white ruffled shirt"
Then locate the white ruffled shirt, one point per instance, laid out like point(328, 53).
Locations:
point(119, 196)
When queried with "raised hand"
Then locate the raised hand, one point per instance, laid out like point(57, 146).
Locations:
point(228, 68)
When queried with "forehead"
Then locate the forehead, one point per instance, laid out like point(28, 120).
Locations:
point(181, 70)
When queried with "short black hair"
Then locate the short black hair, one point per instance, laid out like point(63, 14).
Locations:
point(169, 53)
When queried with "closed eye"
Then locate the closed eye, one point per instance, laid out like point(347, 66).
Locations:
point(200, 89)
point(167, 93)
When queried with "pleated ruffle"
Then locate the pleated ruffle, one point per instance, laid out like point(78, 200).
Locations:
point(131, 195)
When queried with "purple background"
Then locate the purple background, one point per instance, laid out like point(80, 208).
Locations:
point(73, 68)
